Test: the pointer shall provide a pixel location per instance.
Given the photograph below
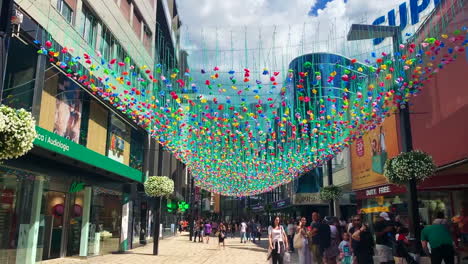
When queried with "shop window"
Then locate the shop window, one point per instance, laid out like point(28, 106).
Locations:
point(19, 192)
point(105, 221)
point(117, 138)
point(137, 150)
point(65, 10)
point(20, 75)
point(89, 26)
point(68, 97)
point(107, 44)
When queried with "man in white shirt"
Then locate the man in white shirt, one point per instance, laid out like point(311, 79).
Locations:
point(290, 230)
point(243, 232)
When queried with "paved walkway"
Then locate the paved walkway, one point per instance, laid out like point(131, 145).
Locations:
point(179, 250)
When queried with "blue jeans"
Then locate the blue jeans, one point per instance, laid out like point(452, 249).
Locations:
point(252, 236)
point(243, 236)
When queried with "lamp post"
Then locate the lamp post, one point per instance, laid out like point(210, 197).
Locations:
point(361, 32)
point(330, 182)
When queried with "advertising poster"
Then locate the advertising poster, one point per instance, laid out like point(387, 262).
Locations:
point(116, 144)
point(68, 109)
point(369, 154)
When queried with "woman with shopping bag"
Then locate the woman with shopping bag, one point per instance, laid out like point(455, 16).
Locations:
point(301, 243)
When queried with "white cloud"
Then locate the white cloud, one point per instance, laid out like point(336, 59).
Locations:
point(227, 33)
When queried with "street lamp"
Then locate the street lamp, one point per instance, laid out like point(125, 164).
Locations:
point(361, 32)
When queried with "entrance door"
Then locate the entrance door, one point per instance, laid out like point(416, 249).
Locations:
point(74, 224)
point(63, 218)
point(54, 223)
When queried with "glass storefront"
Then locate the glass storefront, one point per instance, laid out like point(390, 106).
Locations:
point(21, 221)
point(105, 221)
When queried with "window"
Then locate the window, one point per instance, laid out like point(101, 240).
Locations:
point(89, 26)
point(137, 150)
point(20, 76)
point(147, 39)
point(125, 7)
point(137, 24)
point(121, 55)
point(65, 9)
point(107, 44)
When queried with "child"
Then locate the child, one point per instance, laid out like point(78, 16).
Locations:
point(402, 246)
point(345, 250)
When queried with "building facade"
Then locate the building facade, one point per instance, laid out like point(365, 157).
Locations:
point(79, 191)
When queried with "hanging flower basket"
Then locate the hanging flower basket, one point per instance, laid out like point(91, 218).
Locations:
point(330, 192)
point(415, 164)
point(159, 186)
point(17, 132)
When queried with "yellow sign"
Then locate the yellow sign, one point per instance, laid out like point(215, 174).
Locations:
point(368, 155)
point(378, 209)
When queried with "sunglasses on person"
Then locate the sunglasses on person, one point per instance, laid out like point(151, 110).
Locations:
point(356, 220)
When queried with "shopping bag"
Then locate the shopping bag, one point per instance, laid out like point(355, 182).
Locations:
point(298, 242)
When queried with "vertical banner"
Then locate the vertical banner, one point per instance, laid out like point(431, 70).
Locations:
point(125, 222)
point(369, 154)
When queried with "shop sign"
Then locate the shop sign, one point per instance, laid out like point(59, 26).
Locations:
point(76, 187)
point(379, 191)
point(281, 203)
point(257, 207)
point(416, 9)
point(53, 142)
point(307, 199)
point(377, 209)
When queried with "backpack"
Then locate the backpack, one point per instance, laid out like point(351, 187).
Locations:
point(325, 235)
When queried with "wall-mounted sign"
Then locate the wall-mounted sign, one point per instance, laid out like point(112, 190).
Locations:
point(53, 142)
point(307, 199)
point(378, 209)
point(281, 203)
point(76, 187)
point(416, 9)
point(379, 191)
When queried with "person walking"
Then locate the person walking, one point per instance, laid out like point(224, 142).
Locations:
point(291, 230)
point(441, 244)
point(278, 241)
point(243, 232)
point(384, 238)
point(332, 252)
point(362, 242)
point(207, 231)
point(221, 234)
point(259, 231)
point(303, 252)
point(201, 227)
point(320, 236)
point(252, 230)
point(346, 255)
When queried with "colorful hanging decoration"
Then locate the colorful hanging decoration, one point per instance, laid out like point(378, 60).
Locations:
point(247, 131)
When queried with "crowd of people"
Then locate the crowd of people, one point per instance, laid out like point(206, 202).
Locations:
point(203, 229)
point(331, 241)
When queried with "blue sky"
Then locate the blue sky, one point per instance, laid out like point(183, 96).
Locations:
point(320, 5)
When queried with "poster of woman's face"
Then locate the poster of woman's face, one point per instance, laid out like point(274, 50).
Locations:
point(68, 109)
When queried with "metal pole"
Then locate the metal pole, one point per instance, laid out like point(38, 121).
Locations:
point(413, 206)
point(330, 182)
point(192, 198)
point(157, 223)
point(407, 145)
